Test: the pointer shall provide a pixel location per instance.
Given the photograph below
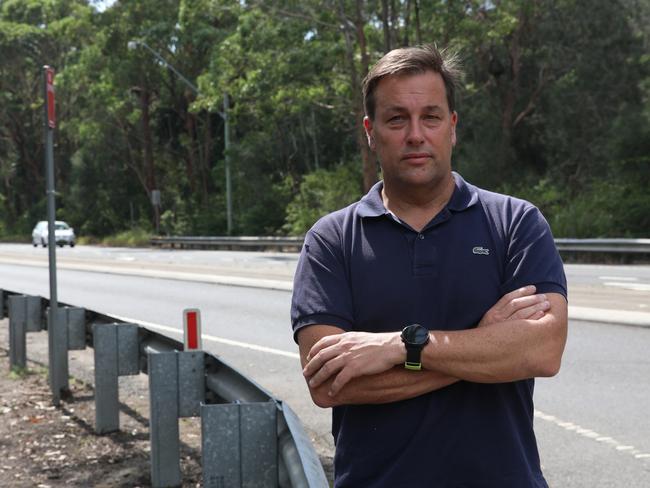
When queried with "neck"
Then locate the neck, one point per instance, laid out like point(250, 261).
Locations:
point(417, 206)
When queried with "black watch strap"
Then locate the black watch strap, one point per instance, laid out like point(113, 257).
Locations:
point(413, 358)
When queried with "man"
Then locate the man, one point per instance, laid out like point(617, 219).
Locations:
point(446, 402)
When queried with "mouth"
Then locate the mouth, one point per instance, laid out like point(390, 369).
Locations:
point(414, 157)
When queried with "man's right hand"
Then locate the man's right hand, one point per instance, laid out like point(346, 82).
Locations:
point(521, 304)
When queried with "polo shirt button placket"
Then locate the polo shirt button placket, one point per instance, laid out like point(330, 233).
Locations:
point(421, 236)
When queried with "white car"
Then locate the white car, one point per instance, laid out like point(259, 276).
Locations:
point(63, 234)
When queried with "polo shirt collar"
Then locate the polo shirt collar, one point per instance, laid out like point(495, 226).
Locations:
point(371, 205)
point(464, 196)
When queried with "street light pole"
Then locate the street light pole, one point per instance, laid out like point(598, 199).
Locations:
point(226, 107)
point(226, 136)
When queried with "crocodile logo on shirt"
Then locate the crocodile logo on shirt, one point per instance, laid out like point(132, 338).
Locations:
point(481, 250)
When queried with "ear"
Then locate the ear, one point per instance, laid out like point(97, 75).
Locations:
point(367, 125)
point(454, 121)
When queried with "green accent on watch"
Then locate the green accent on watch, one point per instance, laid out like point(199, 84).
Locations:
point(413, 366)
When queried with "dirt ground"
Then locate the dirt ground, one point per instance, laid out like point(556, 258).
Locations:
point(45, 446)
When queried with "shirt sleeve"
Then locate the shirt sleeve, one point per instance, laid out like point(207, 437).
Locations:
point(321, 289)
point(532, 258)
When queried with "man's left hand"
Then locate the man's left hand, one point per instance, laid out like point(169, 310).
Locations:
point(350, 355)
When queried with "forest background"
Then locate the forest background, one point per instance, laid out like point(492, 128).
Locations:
point(554, 108)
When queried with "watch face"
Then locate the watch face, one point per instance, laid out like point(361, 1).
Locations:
point(415, 334)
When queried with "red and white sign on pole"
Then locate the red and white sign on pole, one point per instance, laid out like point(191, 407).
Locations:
point(49, 91)
point(192, 329)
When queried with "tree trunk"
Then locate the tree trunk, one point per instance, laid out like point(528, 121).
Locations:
point(208, 154)
point(512, 88)
point(384, 20)
point(368, 164)
point(190, 156)
point(407, 23)
point(130, 159)
point(394, 24)
point(150, 175)
point(32, 162)
point(418, 31)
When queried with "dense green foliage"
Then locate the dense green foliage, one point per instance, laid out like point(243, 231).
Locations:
point(555, 108)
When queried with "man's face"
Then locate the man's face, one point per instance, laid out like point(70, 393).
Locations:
point(413, 131)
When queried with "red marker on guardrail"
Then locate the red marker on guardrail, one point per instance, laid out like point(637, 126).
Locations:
point(192, 329)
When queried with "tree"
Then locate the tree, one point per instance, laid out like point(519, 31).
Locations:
point(554, 107)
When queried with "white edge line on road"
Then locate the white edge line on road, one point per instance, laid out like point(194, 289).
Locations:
point(590, 434)
point(220, 340)
point(618, 278)
point(250, 282)
point(609, 316)
point(629, 285)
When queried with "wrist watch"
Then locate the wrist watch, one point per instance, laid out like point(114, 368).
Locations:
point(414, 337)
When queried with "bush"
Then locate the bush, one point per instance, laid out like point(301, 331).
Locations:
point(615, 208)
point(322, 191)
point(129, 238)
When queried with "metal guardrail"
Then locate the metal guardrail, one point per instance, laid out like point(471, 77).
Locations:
point(248, 243)
point(264, 243)
point(616, 246)
point(298, 464)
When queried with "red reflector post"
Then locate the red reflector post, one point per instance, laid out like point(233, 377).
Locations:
point(192, 329)
point(49, 84)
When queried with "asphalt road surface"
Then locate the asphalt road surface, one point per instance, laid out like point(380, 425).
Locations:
point(592, 419)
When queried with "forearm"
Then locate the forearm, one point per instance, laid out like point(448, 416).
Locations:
point(502, 352)
point(390, 386)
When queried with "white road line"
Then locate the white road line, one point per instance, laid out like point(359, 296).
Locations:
point(220, 340)
point(629, 286)
point(590, 434)
point(251, 282)
point(618, 278)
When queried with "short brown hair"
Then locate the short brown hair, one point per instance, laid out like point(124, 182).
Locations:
point(414, 60)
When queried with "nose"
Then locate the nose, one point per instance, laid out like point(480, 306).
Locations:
point(415, 134)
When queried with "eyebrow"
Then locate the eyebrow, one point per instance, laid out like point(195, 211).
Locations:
point(400, 108)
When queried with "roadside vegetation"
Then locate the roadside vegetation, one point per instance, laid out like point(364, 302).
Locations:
point(128, 238)
point(555, 108)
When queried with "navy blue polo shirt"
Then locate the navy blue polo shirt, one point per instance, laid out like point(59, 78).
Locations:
point(363, 269)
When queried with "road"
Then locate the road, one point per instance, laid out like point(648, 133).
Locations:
point(591, 419)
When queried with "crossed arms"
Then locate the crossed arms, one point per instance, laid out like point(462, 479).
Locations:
point(521, 336)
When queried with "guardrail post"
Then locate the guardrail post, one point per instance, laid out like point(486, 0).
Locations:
point(191, 383)
point(163, 419)
point(239, 445)
point(58, 354)
point(25, 315)
point(76, 323)
point(17, 331)
point(34, 314)
point(116, 351)
point(106, 391)
point(176, 389)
